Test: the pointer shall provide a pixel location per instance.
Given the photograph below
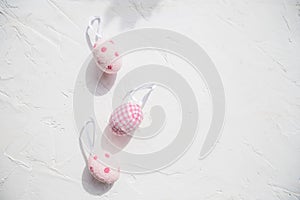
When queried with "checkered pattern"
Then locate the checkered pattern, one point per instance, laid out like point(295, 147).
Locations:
point(126, 118)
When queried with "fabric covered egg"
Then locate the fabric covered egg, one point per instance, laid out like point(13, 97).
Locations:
point(106, 56)
point(102, 173)
point(126, 118)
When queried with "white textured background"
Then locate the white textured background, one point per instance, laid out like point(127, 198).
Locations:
point(255, 46)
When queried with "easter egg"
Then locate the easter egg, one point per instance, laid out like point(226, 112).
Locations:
point(126, 118)
point(100, 171)
point(106, 56)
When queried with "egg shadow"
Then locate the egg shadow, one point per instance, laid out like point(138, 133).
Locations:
point(98, 82)
point(113, 143)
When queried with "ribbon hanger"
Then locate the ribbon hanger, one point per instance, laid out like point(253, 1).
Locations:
point(98, 35)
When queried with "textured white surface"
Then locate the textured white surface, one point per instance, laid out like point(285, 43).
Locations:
point(255, 46)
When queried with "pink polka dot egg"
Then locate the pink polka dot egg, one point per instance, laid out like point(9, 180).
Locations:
point(126, 118)
point(101, 172)
point(106, 56)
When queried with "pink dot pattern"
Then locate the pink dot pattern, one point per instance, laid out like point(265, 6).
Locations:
point(126, 118)
point(106, 170)
point(105, 54)
point(101, 172)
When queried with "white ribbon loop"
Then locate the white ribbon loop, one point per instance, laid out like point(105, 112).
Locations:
point(88, 148)
point(95, 31)
point(142, 102)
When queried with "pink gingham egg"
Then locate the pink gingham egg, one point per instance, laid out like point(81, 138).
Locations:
point(106, 56)
point(126, 118)
point(102, 173)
